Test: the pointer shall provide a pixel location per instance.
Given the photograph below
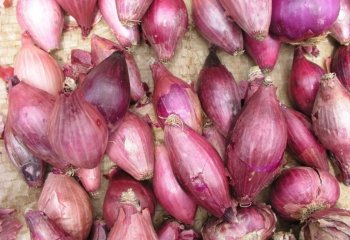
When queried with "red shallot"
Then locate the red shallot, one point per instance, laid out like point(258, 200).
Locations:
point(255, 80)
point(219, 94)
point(211, 21)
point(131, 147)
point(164, 25)
point(168, 191)
point(198, 167)
point(174, 96)
point(43, 19)
point(252, 16)
point(172, 230)
point(98, 231)
point(215, 139)
point(90, 178)
point(341, 65)
point(66, 203)
point(9, 225)
point(131, 12)
point(256, 148)
point(340, 29)
point(300, 191)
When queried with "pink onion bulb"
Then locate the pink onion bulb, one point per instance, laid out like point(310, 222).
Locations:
point(172, 230)
point(90, 178)
point(340, 29)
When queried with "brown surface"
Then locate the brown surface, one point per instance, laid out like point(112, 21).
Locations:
point(187, 63)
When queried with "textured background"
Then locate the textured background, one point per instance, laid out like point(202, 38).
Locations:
point(186, 64)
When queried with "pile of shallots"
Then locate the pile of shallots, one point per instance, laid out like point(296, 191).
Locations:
point(223, 142)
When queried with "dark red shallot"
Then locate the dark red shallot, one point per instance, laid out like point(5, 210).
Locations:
point(90, 178)
point(341, 65)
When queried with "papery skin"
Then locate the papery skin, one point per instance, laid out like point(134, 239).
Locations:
point(302, 141)
point(330, 120)
point(340, 29)
point(341, 65)
point(198, 167)
point(255, 80)
point(304, 82)
point(172, 230)
point(120, 184)
point(283, 236)
point(77, 131)
point(31, 167)
point(327, 224)
point(264, 53)
point(299, 20)
point(98, 231)
point(29, 113)
point(211, 21)
point(164, 25)
point(90, 178)
point(101, 48)
point(172, 95)
point(127, 37)
point(255, 222)
point(131, 12)
point(132, 224)
point(9, 226)
point(131, 147)
point(37, 68)
point(65, 202)
point(84, 12)
point(168, 191)
point(43, 19)
point(300, 191)
point(256, 147)
point(215, 139)
point(43, 228)
point(219, 94)
point(253, 16)
point(107, 87)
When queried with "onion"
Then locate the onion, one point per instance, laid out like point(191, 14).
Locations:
point(283, 236)
point(168, 191)
point(198, 167)
point(77, 131)
point(211, 21)
point(255, 222)
point(29, 112)
point(84, 11)
point(31, 168)
point(215, 139)
point(90, 178)
point(67, 204)
point(253, 165)
point(101, 48)
point(43, 228)
point(255, 80)
point(173, 95)
point(300, 191)
point(107, 87)
point(340, 29)
point(98, 231)
point(127, 37)
point(298, 20)
point(120, 187)
point(37, 68)
point(330, 121)
point(164, 24)
point(327, 224)
point(9, 226)
point(133, 224)
point(172, 230)
point(302, 142)
point(131, 147)
point(43, 19)
point(131, 12)
point(264, 53)
point(219, 94)
point(341, 65)
point(304, 81)
point(253, 16)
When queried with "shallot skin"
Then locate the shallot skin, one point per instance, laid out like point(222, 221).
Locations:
point(256, 147)
point(330, 119)
point(9, 225)
point(198, 167)
point(98, 231)
point(43, 19)
point(252, 16)
point(340, 29)
point(90, 178)
point(211, 21)
point(164, 24)
point(172, 230)
point(214, 137)
point(341, 65)
point(131, 12)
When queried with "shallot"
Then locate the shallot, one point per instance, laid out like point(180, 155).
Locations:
point(131, 12)
point(172, 230)
point(90, 178)
point(340, 29)
point(341, 65)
